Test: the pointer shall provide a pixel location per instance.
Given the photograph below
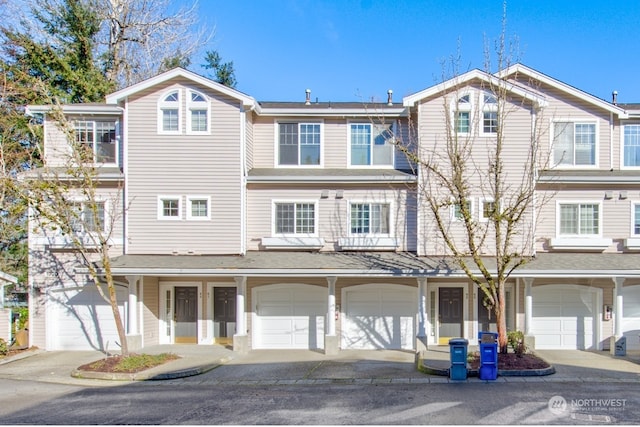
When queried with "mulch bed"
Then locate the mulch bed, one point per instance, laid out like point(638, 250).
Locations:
point(513, 362)
point(109, 364)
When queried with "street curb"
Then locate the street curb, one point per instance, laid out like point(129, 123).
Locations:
point(422, 367)
point(20, 356)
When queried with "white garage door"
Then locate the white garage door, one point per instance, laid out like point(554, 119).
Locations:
point(631, 314)
point(290, 317)
point(564, 317)
point(82, 320)
point(379, 317)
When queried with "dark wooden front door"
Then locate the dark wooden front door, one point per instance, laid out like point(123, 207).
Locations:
point(450, 314)
point(186, 315)
point(486, 316)
point(224, 314)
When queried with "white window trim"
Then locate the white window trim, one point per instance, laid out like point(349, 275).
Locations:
point(633, 241)
point(161, 216)
point(575, 120)
point(296, 235)
point(454, 108)
point(486, 108)
point(193, 105)
point(190, 199)
point(276, 145)
point(452, 210)
point(95, 142)
point(162, 105)
point(481, 202)
point(622, 166)
point(579, 202)
point(390, 234)
point(371, 144)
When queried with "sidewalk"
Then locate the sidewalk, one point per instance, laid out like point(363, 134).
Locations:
point(223, 366)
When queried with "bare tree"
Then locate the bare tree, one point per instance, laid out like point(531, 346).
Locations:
point(499, 168)
point(70, 203)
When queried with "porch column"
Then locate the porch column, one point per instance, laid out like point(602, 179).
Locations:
point(618, 343)
point(331, 342)
point(421, 338)
point(528, 305)
point(240, 339)
point(132, 312)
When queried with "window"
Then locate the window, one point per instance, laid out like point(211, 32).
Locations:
point(456, 210)
point(490, 114)
point(169, 113)
point(636, 219)
point(631, 145)
point(198, 113)
point(462, 114)
point(169, 207)
point(99, 137)
point(370, 218)
point(88, 217)
point(295, 218)
point(299, 144)
point(579, 219)
point(574, 144)
point(487, 209)
point(198, 207)
point(371, 145)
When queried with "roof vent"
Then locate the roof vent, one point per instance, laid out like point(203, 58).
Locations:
point(308, 98)
point(614, 97)
point(389, 97)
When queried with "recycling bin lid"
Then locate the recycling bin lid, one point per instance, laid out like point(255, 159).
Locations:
point(458, 341)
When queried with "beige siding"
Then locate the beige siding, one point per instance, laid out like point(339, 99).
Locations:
point(183, 165)
point(333, 222)
point(250, 144)
point(150, 310)
point(5, 324)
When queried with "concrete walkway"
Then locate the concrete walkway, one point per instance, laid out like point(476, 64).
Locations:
point(219, 365)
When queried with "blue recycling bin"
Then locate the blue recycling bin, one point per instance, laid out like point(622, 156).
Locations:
point(488, 342)
point(458, 357)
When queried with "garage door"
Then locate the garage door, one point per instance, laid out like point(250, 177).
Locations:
point(564, 317)
point(82, 320)
point(631, 314)
point(290, 317)
point(379, 317)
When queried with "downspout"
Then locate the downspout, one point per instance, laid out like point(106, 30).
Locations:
point(125, 169)
point(243, 183)
point(611, 140)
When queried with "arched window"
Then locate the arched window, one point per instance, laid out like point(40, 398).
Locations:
point(462, 114)
point(489, 114)
point(169, 113)
point(198, 111)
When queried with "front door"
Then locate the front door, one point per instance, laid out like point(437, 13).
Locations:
point(224, 314)
point(186, 315)
point(449, 314)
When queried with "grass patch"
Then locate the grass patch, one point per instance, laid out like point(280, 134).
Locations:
point(132, 363)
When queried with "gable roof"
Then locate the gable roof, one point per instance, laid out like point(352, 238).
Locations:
point(520, 69)
point(469, 76)
point(115, 97)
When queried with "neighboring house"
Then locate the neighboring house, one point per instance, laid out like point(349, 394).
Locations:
point(6, 279)
point(298, 225)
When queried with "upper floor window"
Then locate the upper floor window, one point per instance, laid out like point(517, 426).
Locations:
point(169, 113)
point(489, 114)
point(631, 150)
point(370, 144)
point(370, 218)
point(295, 218)
point(635, 217)
point(198, 109)
point(574, 144)
point(487, 209)
point(100, 139)
point(299, 144)
point(457, 213)
point(579, 219)
point(88, 217)
point(462, 114)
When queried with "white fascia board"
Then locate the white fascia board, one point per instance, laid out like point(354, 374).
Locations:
point(326, 179)
point(333, 112)
point(122, 94)
point(410, 100)
point(8, 277)
point(589, 180)
point(536, 75)
point(85, 109)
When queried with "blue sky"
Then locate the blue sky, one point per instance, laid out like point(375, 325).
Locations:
point(357, 50)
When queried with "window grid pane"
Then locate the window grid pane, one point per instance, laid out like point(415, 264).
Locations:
point(490, 122)
point(199, 208)
point(170, 208)
point(288, 142)
point(463, 122)
point(199, 120)
point(632, 145)
point(106, 142)
point(170, 119)
point(580, 219)
point(585, 140)
point(309, 144)
point(305, 218)
point(360, 144)
point(589, 221)
point(285, 218)
point(359, 218)
point(636, 219)
point(568, 219)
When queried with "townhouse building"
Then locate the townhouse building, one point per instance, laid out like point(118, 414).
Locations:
point(301, 225)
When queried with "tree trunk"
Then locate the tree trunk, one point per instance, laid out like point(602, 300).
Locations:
point(118, 319)
point(501, 319)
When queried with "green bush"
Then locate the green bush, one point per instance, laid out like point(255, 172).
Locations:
point(4, 349)
point(516, 341)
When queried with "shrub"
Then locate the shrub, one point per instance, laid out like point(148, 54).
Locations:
point(516, 341)
point(4, 349)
